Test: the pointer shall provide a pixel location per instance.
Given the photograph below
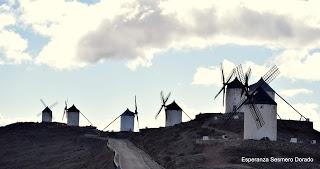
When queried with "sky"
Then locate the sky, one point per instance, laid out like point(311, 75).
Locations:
point(100, 54)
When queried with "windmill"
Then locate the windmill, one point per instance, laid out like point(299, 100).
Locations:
point(47, 112)
point(127, 119)
point(232, 90)
point(262, 108)
point(173, 111)
point(265, 80)
point(72, 114)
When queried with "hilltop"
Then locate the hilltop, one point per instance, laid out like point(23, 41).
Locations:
point(52, 146)
point(181, 146)
point(56, 145)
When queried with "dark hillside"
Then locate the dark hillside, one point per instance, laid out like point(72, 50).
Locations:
point(182, 147)
point(52, 146)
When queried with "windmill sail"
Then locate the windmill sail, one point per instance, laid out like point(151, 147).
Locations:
point(164, 101)
point(256, 114)
point(224, 83)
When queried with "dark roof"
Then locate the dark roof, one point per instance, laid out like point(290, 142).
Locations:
point(127, 113)
point(173, 106)
point(73, 109)
point(264, 86)
point(47, 109)
point(261, 97)
point(234, 84)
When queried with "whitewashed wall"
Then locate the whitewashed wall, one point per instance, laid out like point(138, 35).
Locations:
point(46, 117)
point(73, 118)
point(127, 123)
point(269, 129)
point(173, 117)
point(233, 97)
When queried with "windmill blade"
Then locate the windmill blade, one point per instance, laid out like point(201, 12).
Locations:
point(86, 118)
point(223, 96)
point(290, 105)
point(53, 105)
point(219, 92)
point(159, 112)
point(39, 114)
point(64, 112)
point(222, 74)
point(43, 103)
point(138, 122)
point(270, 71)
point(271, 74)
point(248, 75)
point(245, 87)
point(165, 101)
point(257, 116)
point(65, 108)
point(162, 97)
point(230, 75)
point(241, 103)
point(224, 83)
point(187, 114)
point(240, 73)
point(135, 104)
point(111, 123)
point(136, 111)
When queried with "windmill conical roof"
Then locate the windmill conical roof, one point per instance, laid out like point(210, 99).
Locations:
point(47, 109)
point(235, 84)
point(173, 106)
point(73, 109)
point(264, 86)
point(127, 113)
point(261, 97)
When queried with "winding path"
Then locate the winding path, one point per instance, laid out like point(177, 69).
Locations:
point(128, 156)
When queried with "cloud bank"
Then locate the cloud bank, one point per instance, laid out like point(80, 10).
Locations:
point(136, 30)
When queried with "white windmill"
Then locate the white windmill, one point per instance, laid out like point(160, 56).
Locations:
point(232, 91)
point(47, 112)
point(127, 119)
point(265, 106)
point(260, 110)
point(73, 114)
point(173, 111)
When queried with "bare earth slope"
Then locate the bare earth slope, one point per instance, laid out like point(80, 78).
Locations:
point(181, 147)
point(52, 146)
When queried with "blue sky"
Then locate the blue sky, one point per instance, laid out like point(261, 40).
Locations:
point(99, 54)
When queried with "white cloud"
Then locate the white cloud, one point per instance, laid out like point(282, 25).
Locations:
point(294, 92)
point(136, 30)
point(6, 20)
point(212, 76)
point(12, 45)
point(299, 64)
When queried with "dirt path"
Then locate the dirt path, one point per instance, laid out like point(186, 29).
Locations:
point(129, 156)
